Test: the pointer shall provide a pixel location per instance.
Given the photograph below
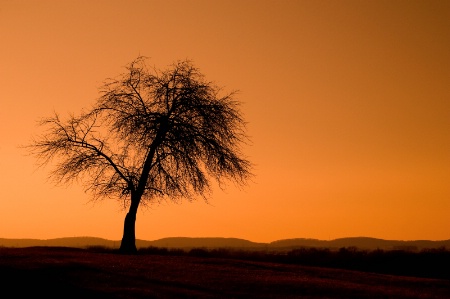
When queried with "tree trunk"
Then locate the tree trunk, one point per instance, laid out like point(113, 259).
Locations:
point(128, 244)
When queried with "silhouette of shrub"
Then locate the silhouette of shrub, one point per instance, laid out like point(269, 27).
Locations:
point(199, 252)
point(103, 249)
point(154, 250)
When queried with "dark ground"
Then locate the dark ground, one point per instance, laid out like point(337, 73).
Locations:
point(46, 272)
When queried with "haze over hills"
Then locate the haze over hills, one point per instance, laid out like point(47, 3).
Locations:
point(364, 243)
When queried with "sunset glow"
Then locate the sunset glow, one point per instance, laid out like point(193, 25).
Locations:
point(347, 104)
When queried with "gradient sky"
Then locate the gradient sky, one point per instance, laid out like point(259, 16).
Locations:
point(347, 103)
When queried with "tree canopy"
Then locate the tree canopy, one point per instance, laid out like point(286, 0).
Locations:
point(151, 134)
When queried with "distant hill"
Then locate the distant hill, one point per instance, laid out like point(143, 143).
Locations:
point(188, 243)
point(361, 243)
point(178, 242)
point(76, 242)
point(183, 242)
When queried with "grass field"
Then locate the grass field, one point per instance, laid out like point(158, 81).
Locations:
point(53, 272)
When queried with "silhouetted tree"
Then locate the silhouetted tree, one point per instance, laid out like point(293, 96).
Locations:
point(151, 135)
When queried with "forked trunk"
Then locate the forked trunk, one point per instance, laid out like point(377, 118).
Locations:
point(128, 244)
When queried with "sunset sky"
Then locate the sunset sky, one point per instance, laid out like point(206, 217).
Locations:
point(347, 104)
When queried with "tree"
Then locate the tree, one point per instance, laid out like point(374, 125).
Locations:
point(151, 135)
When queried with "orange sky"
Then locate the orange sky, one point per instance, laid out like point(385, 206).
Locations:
point(348, 104)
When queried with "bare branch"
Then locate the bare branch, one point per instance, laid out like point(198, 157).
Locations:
point(151, 134)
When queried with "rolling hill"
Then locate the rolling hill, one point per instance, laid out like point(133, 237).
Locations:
point(187, 243)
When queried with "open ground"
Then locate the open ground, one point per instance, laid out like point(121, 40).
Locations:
point(56, 272)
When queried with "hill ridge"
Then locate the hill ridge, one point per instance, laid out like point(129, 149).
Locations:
point(230, 242)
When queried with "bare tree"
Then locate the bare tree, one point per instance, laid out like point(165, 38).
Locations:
point(151, 135)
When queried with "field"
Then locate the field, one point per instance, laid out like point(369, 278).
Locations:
point(57, 272)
